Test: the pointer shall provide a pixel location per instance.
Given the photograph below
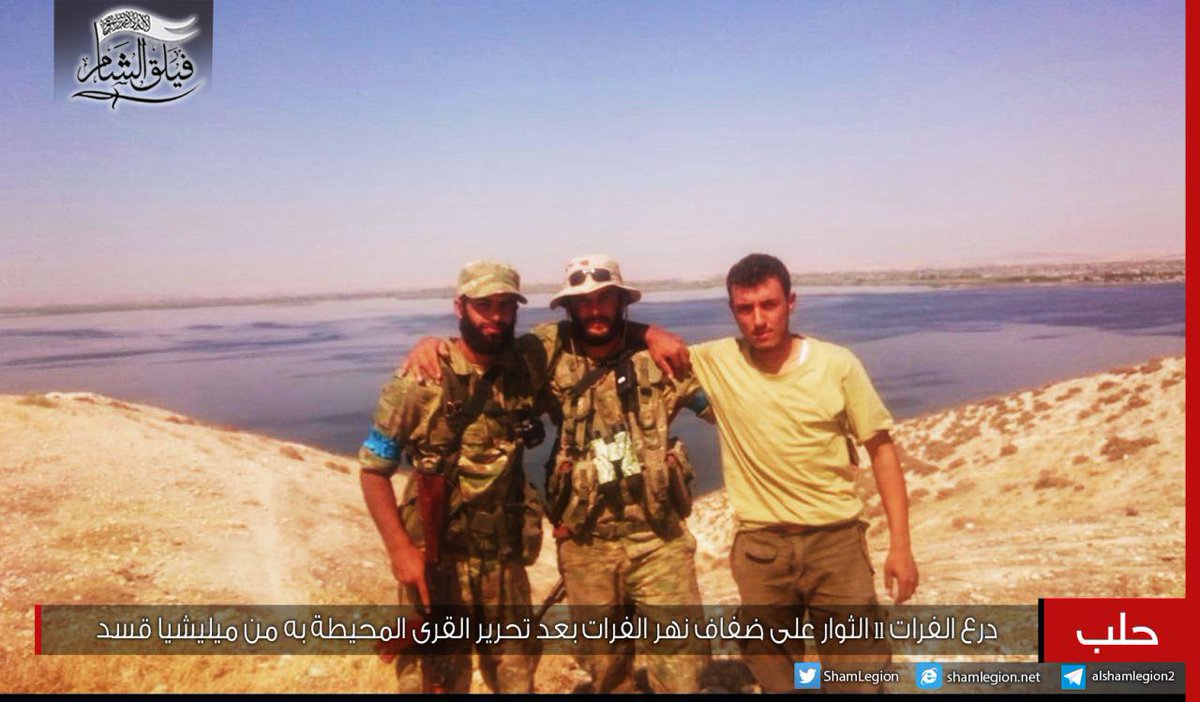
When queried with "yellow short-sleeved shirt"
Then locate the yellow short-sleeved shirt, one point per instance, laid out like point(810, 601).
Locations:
point(783, 447)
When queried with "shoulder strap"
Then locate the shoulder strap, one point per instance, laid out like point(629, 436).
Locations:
point(461, 413)
point(595, 374)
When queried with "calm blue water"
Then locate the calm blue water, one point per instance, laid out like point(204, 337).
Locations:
point(311, 373)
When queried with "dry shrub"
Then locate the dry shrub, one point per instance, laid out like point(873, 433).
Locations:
point(1041, 407)
point(1068, 394)
point(1079, 459)
point(1009, 487)
point(1047, 479)
point(337, 467)
point(960, 522)
point(1107, 385)
point(1110, 399)
point(291, 453)
point(918, 467)
point(1025, 419)
point(957, 463)
point(962, 432)
point(85, 398)
point(1088, 412)
point(1117, 448)
point(918, 494)
point(1008, 450)
point(1131, 511)
point(1141, 388)
point(938, 450)
point(1169, 382)
point(1136, 402)
point(35, 400)
point(121, 405)
point(181, 420)
point(1153, 366)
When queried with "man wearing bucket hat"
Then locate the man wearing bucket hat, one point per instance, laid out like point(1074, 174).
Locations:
point(469, 522)
point(618, 487)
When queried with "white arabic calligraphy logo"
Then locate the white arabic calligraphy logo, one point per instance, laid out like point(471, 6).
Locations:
point(155, 72)
point(1150, 640)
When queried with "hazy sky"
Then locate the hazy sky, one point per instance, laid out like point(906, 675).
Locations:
point(362, 145)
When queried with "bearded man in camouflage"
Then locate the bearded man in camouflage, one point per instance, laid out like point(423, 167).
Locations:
point(620, 488)
point(467, 434)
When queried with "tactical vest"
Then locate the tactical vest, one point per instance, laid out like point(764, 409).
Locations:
point(475, 440)
point(601, 463)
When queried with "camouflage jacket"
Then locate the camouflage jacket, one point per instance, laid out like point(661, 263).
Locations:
point(489, 496)
point(616, 462)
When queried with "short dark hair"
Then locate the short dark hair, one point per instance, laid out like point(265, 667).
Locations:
point(755, 269)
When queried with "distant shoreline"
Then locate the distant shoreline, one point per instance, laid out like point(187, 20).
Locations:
point(1148, 271)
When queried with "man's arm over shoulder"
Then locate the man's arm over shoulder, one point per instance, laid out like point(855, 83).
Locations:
point(690, 394)
point(541, 349)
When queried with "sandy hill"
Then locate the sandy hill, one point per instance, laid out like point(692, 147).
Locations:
point(1072, 489)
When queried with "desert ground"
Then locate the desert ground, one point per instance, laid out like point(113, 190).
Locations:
point(1071, 489)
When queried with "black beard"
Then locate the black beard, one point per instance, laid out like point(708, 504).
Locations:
point(482, 344)
point(614, 330)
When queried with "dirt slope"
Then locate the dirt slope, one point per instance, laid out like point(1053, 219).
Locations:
point(1076, 488)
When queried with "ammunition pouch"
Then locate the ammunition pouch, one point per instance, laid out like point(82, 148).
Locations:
point(681, 477)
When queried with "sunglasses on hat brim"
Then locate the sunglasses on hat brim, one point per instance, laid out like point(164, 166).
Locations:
point(600, 275)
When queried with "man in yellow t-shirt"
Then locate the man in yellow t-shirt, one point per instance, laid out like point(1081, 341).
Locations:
point(785, 406)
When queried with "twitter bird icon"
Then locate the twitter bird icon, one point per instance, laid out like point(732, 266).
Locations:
point(808, 676)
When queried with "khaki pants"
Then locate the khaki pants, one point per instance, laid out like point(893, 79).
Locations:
point(642, 574)
point(497, 592)
point(814, 572)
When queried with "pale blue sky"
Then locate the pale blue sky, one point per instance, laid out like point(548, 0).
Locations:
point(362, 145)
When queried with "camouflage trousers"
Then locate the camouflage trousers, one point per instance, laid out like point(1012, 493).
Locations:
point(498, 592)
point(819, 571)
point(651, 577)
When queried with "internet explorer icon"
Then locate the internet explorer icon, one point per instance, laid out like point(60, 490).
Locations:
point(929, 676)
point(808, 676)
point(1074, 676)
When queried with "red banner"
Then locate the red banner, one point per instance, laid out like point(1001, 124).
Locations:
point(1113, 630)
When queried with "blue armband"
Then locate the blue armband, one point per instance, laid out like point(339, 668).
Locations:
point(382, 446)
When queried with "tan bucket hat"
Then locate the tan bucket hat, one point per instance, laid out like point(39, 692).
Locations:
point(483, 278)
point(592, 272)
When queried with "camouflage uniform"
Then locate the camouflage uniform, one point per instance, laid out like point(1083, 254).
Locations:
point(622, 488)
point(494, 528)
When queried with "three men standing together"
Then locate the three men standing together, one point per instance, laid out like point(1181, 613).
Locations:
point(619, 487)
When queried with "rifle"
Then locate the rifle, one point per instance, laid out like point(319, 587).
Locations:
point(431, 503)
point(432, 500)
